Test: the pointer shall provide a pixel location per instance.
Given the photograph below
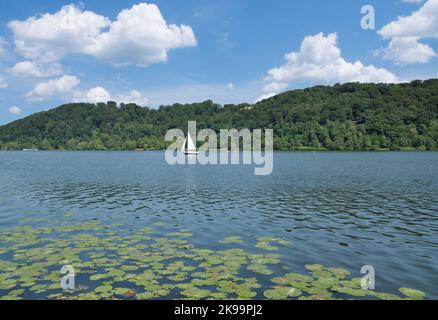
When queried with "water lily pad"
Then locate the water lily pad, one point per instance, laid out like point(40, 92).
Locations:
point(10, 297)
point(233, 239)
point(145, 296)
point(121, 291)
point(183, 234)
point(219, 295)
point(281, 280)
point(96, 277)
point(8, 284)
point(129, 268)
point(294, 292)
point(196, 293)
point(413, 293)
point(246, 294)
point(103, 289)
point(279, 293)
point(266, 246)
point(339, 272)
point(325, 283)
point(260, 268)
point(386, 296)
point(298, 277)
point(273, 239)
point(178, 277)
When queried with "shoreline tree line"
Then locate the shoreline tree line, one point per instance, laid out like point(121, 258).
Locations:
point(349, 116)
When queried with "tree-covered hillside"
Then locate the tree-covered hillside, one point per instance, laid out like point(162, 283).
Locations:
point(351, 116)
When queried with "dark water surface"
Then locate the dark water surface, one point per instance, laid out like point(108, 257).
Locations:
point(336, 209)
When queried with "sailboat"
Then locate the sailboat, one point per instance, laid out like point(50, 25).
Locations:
point(189, 147)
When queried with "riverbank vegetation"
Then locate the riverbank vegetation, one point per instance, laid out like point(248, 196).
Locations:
point(351, 116)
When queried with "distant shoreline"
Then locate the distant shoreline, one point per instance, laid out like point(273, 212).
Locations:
point(155, 150)
point(343, 117)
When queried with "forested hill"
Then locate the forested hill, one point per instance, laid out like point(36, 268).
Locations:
point(351, 116)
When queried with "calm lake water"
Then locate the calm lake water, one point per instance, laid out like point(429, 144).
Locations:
point(336, 209)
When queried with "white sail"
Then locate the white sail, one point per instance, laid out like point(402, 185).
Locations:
point(184, 145)
point(190, 146)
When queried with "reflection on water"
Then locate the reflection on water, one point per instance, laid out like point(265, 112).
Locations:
point(337, 209)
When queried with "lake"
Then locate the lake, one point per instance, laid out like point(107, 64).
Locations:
point(144, 228)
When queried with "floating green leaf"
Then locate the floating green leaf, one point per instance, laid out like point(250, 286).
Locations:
point(412, 293)
point(281, 293)
point(233, 239)
point(260, 268)
point(266, 246)
point(103, 289)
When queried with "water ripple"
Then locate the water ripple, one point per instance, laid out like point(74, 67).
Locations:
point(340, 209)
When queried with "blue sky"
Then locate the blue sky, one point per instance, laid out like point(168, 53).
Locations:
point(229, 51)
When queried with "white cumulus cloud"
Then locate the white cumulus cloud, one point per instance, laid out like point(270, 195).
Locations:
point(95, 95)
point(100, 94)
point(408, 50)
point(133, 96)
point(28, 68)
point(140, 35)
point(406, 32)
point(61, 87)
point(49, 37)
point(266, 96)
point(15, 110)
point(319, 61)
